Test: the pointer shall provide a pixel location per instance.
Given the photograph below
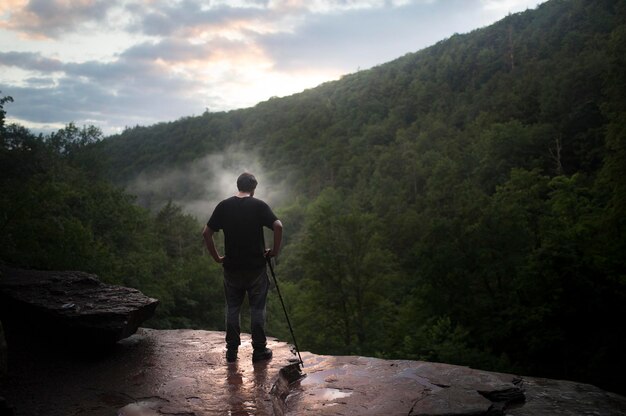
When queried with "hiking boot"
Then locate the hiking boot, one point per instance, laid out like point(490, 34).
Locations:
point(231, 355)
point(261, 354)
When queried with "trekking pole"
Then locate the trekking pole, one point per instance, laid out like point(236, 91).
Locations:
point(295, 343)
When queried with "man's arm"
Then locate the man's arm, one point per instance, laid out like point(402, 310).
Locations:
point(207, 234)
point(278, 239)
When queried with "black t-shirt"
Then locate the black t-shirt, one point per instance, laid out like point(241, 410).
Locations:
point(242, 220)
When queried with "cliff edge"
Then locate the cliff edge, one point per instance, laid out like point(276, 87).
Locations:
point(184, 372)
point(55, 321)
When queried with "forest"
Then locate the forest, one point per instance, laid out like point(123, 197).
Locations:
point(462, 204)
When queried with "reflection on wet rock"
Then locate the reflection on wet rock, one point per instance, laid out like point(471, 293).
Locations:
point(184, 372)
point(154, 372)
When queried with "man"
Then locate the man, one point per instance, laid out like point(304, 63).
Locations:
point(242, 218)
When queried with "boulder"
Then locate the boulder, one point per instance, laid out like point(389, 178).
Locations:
point(69, 308)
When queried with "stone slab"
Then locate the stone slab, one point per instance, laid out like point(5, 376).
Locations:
point(69, 308)
point(184, 372)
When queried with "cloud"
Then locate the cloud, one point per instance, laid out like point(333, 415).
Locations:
point(382, 33)
point(240, 19)
point(191, 18)
point(350, 38)
point(30, 60)
point(52, 18)
point(8, 6)
point(508, 5)
point(130, 90)
point(39, 82)
point(170, 50)
point(147, 83)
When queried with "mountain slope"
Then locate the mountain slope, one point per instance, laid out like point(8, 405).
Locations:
point(543, 66)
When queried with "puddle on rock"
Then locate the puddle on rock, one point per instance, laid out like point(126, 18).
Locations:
point(323, 376)
point(319, 388)
point(329, 393)
point(138, 409)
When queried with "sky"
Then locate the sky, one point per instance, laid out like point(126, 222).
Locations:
point(120, 63)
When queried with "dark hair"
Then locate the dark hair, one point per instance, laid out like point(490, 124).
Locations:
point(246, 182)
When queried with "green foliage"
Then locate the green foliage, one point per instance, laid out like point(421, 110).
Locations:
point(56, 214)
point(464, 203)
point(440, 340)
point(3, 101)
point(347, 274)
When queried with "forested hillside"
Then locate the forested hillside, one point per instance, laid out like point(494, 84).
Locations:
point(462, 204)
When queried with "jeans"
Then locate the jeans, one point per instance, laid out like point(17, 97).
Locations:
point(236, 284)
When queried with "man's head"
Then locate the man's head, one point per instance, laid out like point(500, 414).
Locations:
point(246, 182)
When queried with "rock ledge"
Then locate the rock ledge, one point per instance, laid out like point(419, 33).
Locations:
point(184, 372)
point(69, 308)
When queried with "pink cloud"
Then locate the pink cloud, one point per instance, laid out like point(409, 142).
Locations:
point(50, 18)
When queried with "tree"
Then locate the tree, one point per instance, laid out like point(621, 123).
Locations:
point(178, 232)
point(347, 267)
point(3, 101)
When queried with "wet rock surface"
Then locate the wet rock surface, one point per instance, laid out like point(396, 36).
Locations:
point(560, 397)
point(154, 372)
point(69, 308)
point(369, 386)
point(184, 372)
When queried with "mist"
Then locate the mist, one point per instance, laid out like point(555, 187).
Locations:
point(198, 186)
